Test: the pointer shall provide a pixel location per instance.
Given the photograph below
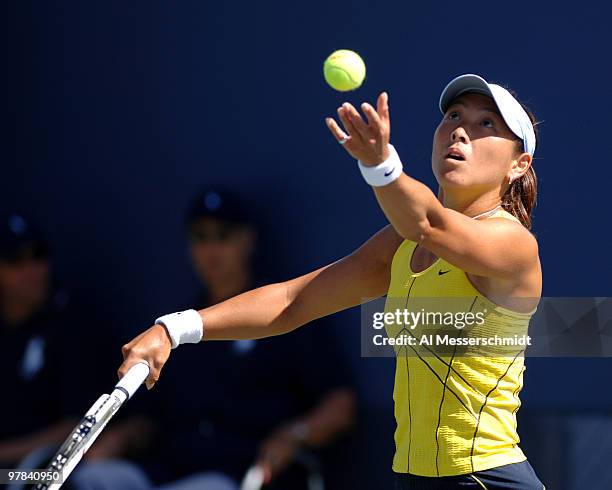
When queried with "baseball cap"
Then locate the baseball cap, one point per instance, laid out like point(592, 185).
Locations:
point(19, 237)
point(510, 109)
point(219, 204)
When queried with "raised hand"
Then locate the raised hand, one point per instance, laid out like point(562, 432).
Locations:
point(365, 141)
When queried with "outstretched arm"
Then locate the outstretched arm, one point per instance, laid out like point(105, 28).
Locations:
point(282, 307)
point(496, 248)
point(409, 205)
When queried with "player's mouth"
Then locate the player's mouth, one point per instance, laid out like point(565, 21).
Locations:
point(455, 154)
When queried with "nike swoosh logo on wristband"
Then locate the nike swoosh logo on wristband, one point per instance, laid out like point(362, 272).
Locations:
point(389, 172)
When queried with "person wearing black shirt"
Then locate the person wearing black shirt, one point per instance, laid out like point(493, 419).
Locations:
point(48, 378)
point(227, 405)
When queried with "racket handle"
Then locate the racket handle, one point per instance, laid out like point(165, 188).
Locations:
point(132, 380)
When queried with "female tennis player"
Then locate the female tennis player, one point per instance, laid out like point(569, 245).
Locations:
point(456, 415)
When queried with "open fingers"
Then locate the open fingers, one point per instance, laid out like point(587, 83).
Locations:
point(374, 120)
point(382, 105)
point(338, 133)
point(347, 122)
point(364, 131)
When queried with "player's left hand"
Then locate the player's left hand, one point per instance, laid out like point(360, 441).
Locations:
point(276, 453)
point(365, 141)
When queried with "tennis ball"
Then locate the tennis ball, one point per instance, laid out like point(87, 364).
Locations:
point(344, 70)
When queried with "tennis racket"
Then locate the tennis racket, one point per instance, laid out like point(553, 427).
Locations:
point(92, 424)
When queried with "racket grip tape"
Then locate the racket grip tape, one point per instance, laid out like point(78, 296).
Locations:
point(133, 379)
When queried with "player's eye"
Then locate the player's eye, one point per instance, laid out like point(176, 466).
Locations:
point(487, 123)
point(453, 115)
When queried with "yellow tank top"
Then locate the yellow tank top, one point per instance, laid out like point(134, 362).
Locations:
point(455, 412)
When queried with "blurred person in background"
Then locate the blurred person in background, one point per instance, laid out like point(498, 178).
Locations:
point(246, 401)
point(41, 342)
point(29, 315)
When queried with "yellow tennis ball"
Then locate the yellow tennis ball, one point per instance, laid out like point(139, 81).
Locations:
point(344, 70)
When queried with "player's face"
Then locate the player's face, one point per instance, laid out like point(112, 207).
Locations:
point(474, 128)
point(219, 249)
point(25, 279)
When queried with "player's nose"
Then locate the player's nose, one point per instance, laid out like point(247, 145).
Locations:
point(459, 135)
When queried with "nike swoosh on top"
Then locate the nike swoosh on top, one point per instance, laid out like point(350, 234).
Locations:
point(440, 272)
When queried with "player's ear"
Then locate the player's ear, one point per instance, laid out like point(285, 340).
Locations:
point(521, 165)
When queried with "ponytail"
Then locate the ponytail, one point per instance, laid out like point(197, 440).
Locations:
point(521, 196)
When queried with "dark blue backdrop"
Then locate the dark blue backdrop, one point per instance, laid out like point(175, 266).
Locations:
point(123, 110)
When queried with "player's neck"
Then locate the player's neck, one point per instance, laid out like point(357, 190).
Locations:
point(471, 205)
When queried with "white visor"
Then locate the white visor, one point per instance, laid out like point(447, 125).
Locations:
point(510, 109)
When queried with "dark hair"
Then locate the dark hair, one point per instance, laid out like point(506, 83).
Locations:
point(521, 196)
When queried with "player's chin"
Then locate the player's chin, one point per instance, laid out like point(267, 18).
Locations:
point(449, 177)
point(443, 165)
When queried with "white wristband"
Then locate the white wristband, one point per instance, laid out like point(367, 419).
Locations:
point(384, 173)
point(184, 327)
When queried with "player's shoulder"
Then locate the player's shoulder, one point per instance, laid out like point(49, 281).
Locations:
point(507, 223)
point(517, 239)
